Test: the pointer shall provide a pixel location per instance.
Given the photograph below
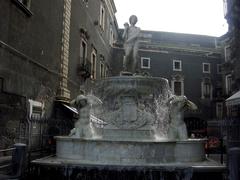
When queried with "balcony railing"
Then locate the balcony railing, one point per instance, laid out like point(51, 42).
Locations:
point(84, 69)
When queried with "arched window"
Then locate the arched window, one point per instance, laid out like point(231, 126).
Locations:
point(206, 88)
point(177, 85)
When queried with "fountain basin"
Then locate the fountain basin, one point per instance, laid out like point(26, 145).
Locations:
point(128, 152)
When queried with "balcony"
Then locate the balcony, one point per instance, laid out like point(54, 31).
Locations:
point(84, 69)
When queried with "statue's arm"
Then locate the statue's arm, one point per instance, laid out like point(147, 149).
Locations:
point(135, 36)
point(124, 36)
point(190, 105)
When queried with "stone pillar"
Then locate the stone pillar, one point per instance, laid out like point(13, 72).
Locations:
point(19, 159)
point(63, 93)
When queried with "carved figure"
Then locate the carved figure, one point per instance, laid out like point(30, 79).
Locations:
point(83, 126)
point(177, 128)
point(131, 43)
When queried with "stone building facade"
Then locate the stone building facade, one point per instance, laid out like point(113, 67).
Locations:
point(41, 57)
point(231, 41)
point(50, 50)
point(191, 63)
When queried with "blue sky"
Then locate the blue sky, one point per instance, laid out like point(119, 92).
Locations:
point(185, 16)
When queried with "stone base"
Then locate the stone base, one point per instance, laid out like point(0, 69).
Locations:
point(126, 134)
point(57, 168)
point(126, 73)
point(99, 151)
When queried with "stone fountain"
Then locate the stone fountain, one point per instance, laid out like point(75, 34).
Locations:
point(141, 124)
point(131, 131)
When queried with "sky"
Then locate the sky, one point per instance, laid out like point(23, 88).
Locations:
point(204, 17)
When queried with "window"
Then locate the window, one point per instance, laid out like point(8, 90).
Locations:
point(111, 38)
point(102, 72)
point(219, 110)
point(35, 109)
point(177, 65)
point(206, 67)
point(206, 89)
point(227, 53)
point(106, 71)
point(177, 85)
point(228, 83)
point(102, 17)
point(93, 64)
point(83, 51)
point(177, 88)
point(219, 69)
point(145, 63)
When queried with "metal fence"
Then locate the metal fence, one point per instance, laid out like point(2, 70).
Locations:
point(232, 127)
point(36, 131)
point(5, 160)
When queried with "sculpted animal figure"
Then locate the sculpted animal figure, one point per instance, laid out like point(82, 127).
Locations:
point(83, 126)
point(177, 128)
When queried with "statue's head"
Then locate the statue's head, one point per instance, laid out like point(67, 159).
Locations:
point(181, 102)
point(81, 101)
point(133, 19)
point(178, 101)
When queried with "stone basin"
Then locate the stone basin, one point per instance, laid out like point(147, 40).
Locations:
point(128, 152)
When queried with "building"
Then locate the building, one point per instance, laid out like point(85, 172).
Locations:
point(92, 35)
point(231, 71)
point(48, 51)
point(231, 65)
point(191, 63)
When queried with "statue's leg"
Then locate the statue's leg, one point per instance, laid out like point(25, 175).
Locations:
point(124, 63)
point(171, 133)
point(135, 58)
point(126, 59)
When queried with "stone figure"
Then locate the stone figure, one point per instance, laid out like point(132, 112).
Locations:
point(131, 42)
point(83, 126)
point(177, 127)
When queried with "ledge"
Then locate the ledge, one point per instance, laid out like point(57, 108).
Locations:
point(22, 7)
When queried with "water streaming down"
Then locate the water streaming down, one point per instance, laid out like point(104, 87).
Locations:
point(162, 117)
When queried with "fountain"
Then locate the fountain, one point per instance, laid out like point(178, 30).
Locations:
point(130, 133)
point(142, 128)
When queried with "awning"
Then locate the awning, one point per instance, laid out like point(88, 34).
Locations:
point(234, 99)
point(71, 108)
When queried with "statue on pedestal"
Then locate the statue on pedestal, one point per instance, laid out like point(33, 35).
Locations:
point(131, 43)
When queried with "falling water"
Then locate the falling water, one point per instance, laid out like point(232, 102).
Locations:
point(162, 117)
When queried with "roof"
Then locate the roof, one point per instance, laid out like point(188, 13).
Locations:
point(234, 99)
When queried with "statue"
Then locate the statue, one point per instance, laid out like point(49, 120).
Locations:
point(83, 126)
point(131, 42)
point(177, 127)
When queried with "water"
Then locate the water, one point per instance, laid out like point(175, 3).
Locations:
point(162, 117)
